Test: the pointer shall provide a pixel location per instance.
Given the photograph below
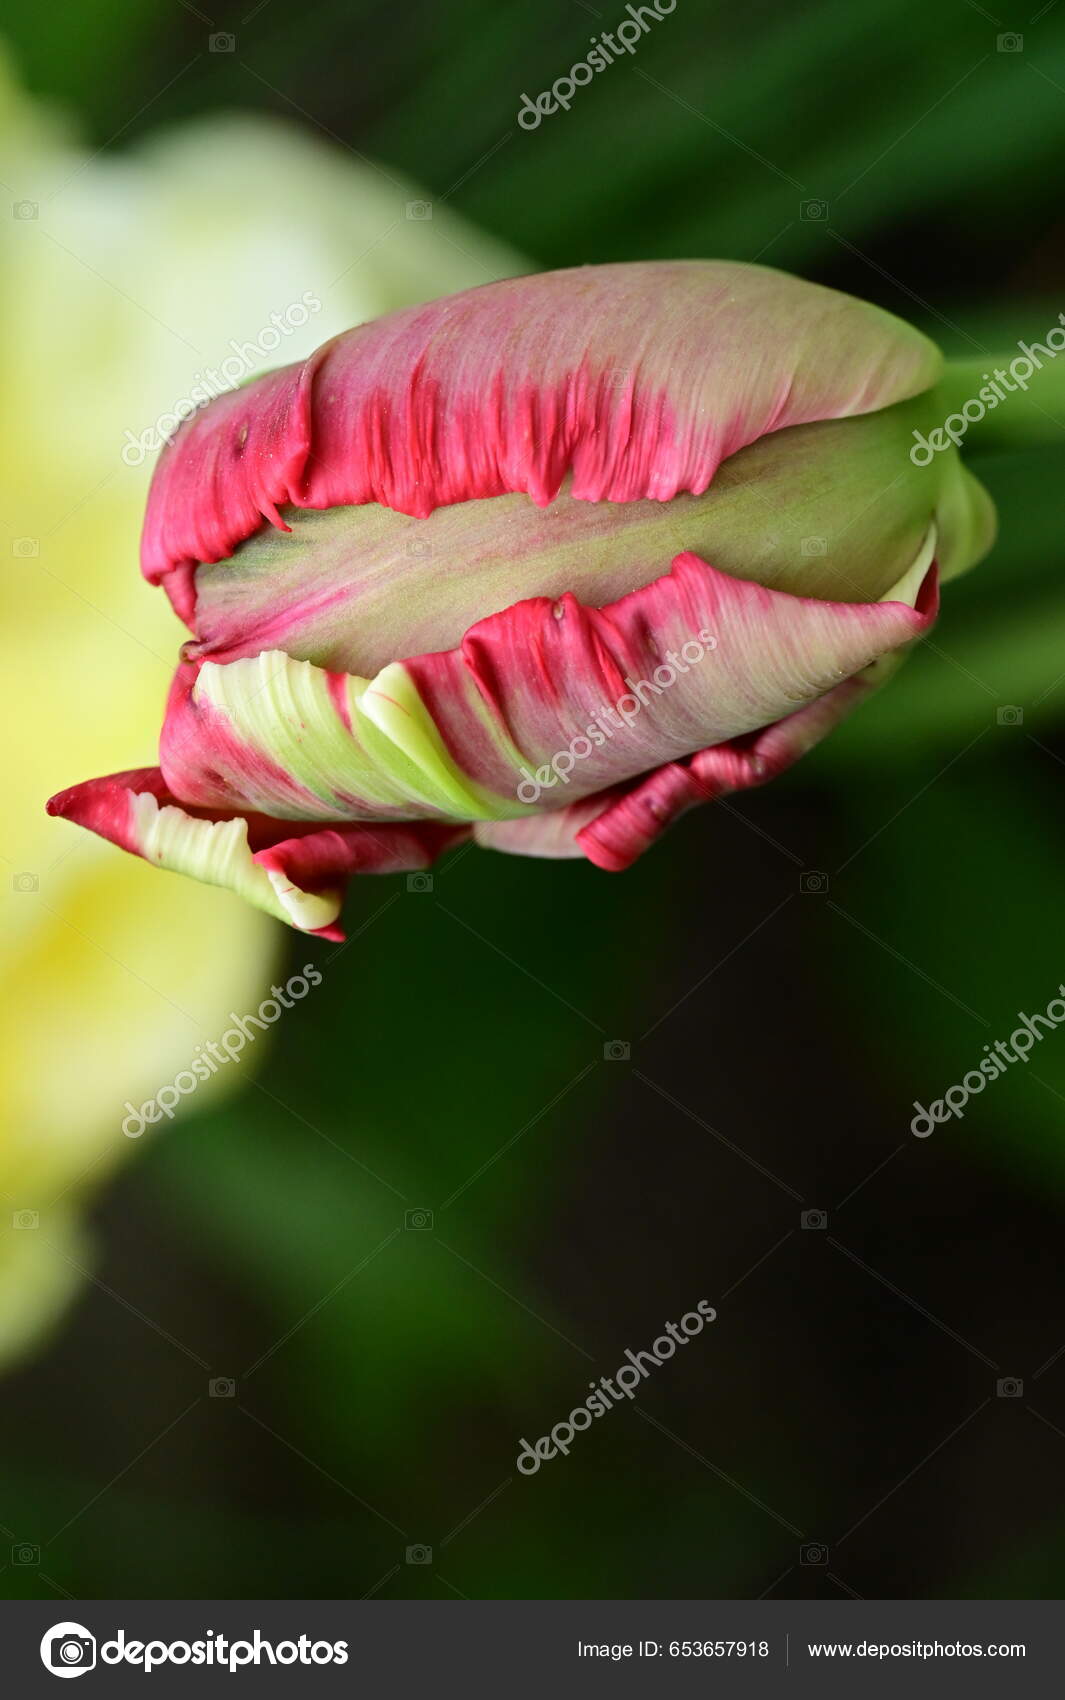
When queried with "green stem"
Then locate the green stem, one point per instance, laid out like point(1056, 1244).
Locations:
point(1013, 417)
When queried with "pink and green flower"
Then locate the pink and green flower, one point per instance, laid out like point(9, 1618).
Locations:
point(425, 565)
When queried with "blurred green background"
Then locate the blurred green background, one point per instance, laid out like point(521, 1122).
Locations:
point(453, 1059)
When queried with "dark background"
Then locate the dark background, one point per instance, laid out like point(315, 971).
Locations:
point(453, 1059)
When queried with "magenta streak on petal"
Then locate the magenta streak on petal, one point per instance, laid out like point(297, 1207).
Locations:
point(613, 829)
point(105, 806)
point(312, 859)
point(207, 764)
point(234, 476)
point(324, 859)
point(542, 670)
point(639, 379)
point(180, 586)
point(273, 632)
point(525, 683)
point(629, 825)
point(338, 691)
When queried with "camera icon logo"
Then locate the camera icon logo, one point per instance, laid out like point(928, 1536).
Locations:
point(419, 209)
point(418, 546)
point(813, 882)
point(816, 1220)
point(25, 882)
point(25, 1554)
point(1009, 1387)
point(617, 1050)
point(419, 882)
point(25, 210)
point(419, 1555)
point(222, 1387)
point(814, 546)
point(417, 1221)
point(814, 212)
point(813, 1553)
point(68, 1649)
point(222, 42)
point(1010, 715)
point(25, 1219)
point(25, 548)
point(1010, 43)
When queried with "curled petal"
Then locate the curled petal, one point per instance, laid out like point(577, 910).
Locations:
point(296, 873)
point(352, 588)
point(540, 705)
point(613, 829)
point(292, 740)
point(635, 380)
point(594, 697)
point(280, 779)
point(627, 827)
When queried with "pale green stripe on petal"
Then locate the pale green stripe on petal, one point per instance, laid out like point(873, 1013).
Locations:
point(909, 585)
point(217, 853)
point(392, 705)
point(393, 758)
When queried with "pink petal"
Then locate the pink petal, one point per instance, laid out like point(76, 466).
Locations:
point(540, 705)
point(552, 836)
point(614, 829)
point(296, 871)
point(638, 380)
point(545, 671)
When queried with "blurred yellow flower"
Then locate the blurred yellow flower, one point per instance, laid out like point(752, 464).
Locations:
point(123, 280)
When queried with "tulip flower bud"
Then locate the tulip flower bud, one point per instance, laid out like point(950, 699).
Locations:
point(545, 562)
